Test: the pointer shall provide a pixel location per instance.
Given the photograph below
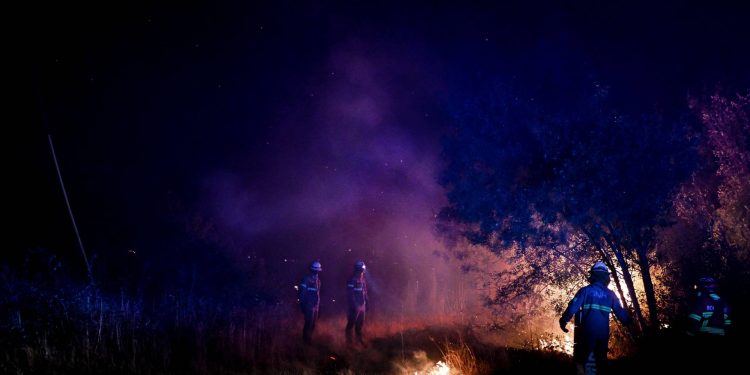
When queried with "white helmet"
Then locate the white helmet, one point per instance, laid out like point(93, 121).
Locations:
point(315, 266)
point(599, 267)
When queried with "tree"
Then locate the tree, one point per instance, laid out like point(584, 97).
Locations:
point(726, 134)
point(712, 208)
point(514, 170)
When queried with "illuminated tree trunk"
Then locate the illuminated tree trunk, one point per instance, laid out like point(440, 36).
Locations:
point(636, 307)
point(648, 286)
point(615, 276)
point(628, 281)
point(618, 285)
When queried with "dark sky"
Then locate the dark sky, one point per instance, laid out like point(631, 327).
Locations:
point(291, 131)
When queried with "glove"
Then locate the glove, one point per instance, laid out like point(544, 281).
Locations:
point(562, 325)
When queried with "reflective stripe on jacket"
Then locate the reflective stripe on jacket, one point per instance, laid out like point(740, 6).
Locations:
point(710, 316)
point(309, 292)
point(592, 306)
point(356, 291)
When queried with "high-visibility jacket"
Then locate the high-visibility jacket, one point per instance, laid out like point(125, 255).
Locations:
point(592, 306)
point(309, 292)
point(709, 316)
point(356, 290)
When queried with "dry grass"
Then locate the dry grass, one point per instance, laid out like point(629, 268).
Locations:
point(459, 357)
point(86, 333)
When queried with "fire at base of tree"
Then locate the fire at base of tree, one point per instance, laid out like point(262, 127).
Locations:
point(660, 202)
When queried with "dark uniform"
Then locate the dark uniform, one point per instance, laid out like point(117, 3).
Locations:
point(708, 323)
point(356, 290)
point(592, 306)
point(709, 316)
point(309, 301)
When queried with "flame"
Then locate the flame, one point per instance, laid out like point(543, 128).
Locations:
point(556, 345)
point(440, 368)
point(423, 366)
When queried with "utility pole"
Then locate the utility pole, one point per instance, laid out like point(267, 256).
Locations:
point(70, 210)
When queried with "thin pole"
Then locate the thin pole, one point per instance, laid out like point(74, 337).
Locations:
point(70, 210)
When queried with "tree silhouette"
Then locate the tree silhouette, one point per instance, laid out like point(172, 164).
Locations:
point(515, 171)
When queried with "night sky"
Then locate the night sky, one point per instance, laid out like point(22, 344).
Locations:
point(240, 136)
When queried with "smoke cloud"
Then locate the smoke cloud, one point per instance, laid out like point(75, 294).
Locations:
point(349, 172)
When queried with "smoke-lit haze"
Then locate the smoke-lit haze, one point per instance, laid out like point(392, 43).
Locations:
point(348, 172)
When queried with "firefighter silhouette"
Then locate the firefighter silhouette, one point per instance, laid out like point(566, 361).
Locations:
point(708, 324)
point(356, 291)
point(710, 313)
point(309, 300)
point(592, 306)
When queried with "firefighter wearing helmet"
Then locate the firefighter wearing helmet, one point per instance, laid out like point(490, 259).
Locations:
point(708, 323)
point(356, 291)
point(309, 300)
point(592, 306)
